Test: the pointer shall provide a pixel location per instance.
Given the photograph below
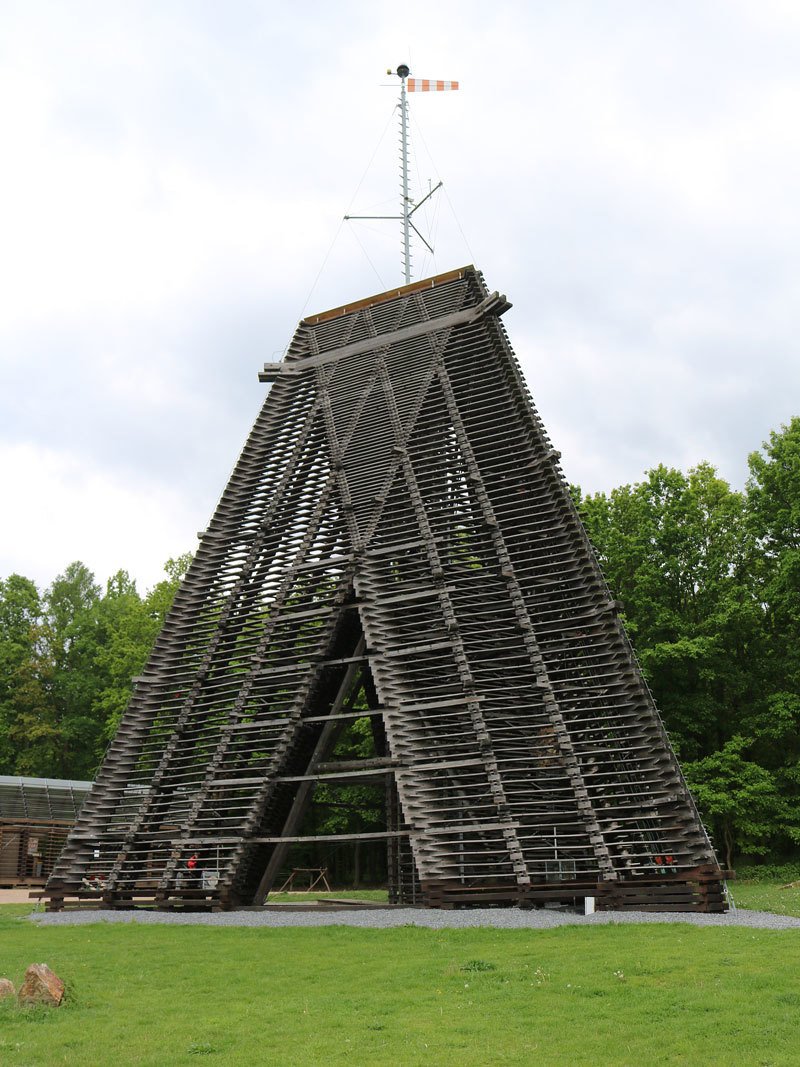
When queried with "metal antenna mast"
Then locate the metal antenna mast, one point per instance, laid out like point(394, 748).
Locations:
point(402, 73)
point(410, 85)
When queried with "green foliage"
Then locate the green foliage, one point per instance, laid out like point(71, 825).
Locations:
point(344, 808)
point(129, 626)
point(742, 799)
point(782, 873)
point(675, 553)
point(774, 514)
point(350, 808)
point(709, 582)
point(20, 609)
point(67, 657)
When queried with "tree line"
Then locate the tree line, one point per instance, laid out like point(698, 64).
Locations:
point(709, 582)
point(708, 579)
point(67, 657)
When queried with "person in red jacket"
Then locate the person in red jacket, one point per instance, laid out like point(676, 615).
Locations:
point(195, 872)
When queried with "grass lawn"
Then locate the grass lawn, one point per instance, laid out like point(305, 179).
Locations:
point(163, 996)
point(373, 895)
point(766, 896)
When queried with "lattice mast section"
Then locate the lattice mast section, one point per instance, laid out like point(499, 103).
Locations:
point(406, 199)
point(407, 205)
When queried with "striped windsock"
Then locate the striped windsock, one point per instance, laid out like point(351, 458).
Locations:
point(429, 85)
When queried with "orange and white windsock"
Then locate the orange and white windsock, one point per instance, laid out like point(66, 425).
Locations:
point(429, 85)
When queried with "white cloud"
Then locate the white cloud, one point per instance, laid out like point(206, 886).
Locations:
point(61, 510)
point(175, 174)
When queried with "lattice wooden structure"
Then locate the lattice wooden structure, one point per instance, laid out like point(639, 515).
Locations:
point(397, 541)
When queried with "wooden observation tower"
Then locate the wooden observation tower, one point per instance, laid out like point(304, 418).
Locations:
point(396, 542)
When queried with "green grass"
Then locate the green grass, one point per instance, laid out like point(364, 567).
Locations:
point(341, 894)
point(766, 896)
point(166, 995)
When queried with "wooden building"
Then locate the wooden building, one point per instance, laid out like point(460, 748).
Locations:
point(36, 814)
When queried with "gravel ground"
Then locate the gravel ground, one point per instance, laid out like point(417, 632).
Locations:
point(500, 918)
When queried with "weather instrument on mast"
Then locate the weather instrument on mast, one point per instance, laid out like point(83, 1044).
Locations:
point(408, 208)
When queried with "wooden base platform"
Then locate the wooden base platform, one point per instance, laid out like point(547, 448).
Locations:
point(698, 890)
point(701, 889)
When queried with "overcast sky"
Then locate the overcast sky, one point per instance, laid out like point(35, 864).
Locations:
point(172, 189)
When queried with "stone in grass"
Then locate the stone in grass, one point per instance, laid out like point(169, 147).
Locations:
point(7, 988)
point(41, 986)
